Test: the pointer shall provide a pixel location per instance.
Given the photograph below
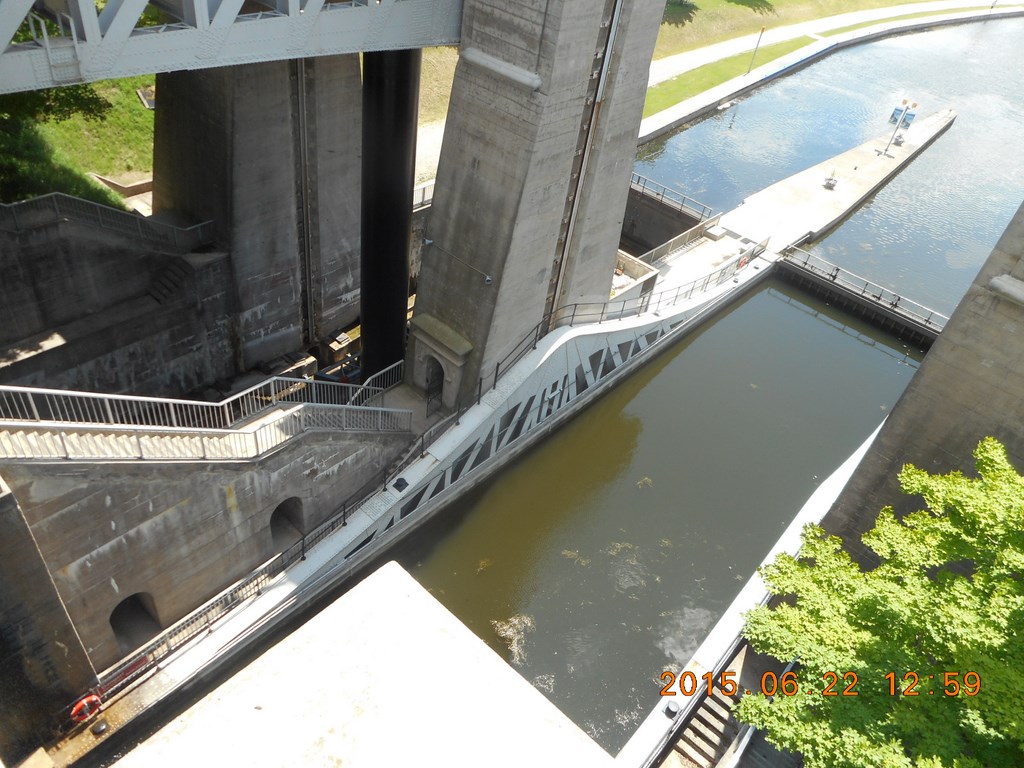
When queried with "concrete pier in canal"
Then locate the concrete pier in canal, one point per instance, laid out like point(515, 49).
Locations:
point(808, 204)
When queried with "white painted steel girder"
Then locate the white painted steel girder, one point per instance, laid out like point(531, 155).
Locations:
point(95, 45)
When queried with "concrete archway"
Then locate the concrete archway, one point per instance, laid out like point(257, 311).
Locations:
point(286, 524)
point(134, 621)
point(435, 383)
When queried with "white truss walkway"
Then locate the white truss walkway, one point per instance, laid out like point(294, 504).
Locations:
point(114, 42)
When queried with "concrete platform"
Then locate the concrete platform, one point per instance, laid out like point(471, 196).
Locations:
point(801, 208)
point(384, 676)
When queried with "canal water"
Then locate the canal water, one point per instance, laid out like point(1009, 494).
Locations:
point(604, 555)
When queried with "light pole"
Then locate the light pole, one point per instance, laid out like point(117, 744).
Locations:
point(756, 46)
point(907, 106)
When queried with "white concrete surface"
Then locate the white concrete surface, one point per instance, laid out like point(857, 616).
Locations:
point(384, 676)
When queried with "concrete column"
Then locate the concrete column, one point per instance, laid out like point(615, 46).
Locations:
point(268, 152)
point(390, 103)
point(532, 179)
point(43, 665)
point(968, 388)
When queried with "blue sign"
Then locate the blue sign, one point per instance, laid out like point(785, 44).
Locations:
point(908, 116)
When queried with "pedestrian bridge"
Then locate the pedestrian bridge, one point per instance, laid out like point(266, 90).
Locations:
point(57, 42)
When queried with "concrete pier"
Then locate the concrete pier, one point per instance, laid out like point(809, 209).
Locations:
point(803, 207)
point(384, 670)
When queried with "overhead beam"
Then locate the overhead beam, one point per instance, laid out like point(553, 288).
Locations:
point(389, 25)
point(12, 14)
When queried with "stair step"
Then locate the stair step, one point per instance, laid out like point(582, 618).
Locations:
point(711, 723)
point(691, 754)
point(717, 708)
point(711, 738)
point(676, 759)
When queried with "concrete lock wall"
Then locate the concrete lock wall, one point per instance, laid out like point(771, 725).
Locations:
point(61, 272)
point(968, 387)
point(82, 318)
point(648, 222)
point(107, 531)
point(271, 153)
point(43, 665)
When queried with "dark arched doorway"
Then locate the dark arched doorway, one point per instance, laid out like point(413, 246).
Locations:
point(134, 621)
point(435, 384)
point(286, 526)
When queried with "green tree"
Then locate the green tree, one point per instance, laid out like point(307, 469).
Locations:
point(945, 599)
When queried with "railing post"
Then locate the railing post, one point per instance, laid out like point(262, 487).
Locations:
point(497, 368)
point(479, 390)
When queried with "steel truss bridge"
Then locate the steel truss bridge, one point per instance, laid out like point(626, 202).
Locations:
point(60, 42)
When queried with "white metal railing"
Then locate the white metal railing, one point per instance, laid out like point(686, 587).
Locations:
point(670, 197)
point(373, 389)
point(57, 405)
point(679, 242)
point(56, 206)
point(597, 312)
point(856, 284)
point(423, 194)
point(33, 440)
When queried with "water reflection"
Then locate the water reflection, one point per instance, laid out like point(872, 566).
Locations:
point(928, 232)
point(605, 554)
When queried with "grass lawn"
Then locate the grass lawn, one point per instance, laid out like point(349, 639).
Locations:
point(671, 92)
point(690, 25)
point(122, 147)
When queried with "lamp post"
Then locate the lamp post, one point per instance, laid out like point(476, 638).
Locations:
point(756, 46)
point(907, 106)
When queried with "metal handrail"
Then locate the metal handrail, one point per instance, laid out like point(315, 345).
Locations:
point(119, 676)
point(379, 383)
point(598, 312)
point(663, 194)
point(57, 206)
point(34, 440)
point(58, 405)
point(423, 194)
point(680, 242)
point(891, 300)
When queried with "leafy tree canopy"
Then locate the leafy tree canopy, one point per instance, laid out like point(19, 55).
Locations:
point(946, 598)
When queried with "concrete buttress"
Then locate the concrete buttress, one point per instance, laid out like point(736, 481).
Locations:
point(532, 179)
point(271, 153)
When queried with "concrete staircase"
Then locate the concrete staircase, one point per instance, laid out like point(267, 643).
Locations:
point(168, 281)
point(53, 425)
